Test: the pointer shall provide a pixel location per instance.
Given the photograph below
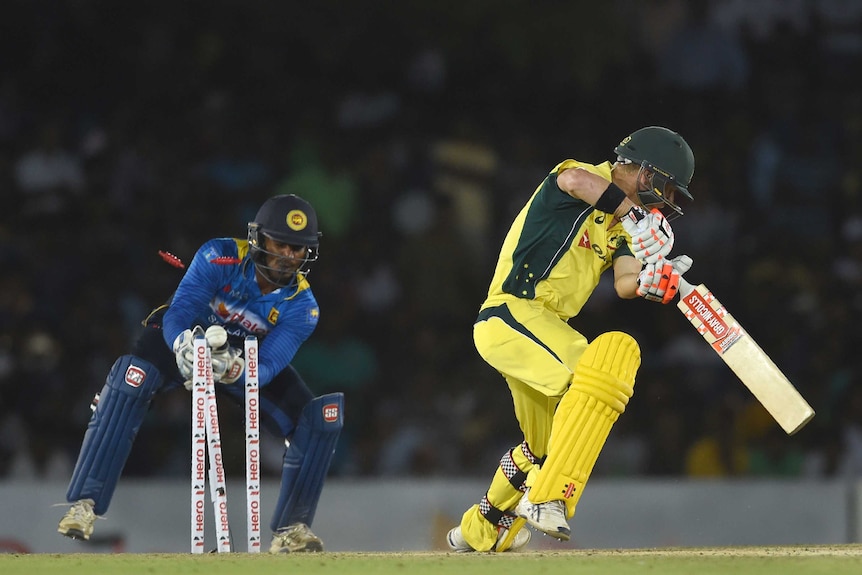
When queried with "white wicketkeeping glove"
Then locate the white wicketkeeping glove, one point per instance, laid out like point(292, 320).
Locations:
point(652, 236)
point(660, 282)
point(227, 361)
point(184, 350)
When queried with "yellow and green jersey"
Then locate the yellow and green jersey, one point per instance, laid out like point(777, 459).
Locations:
point(557, 248)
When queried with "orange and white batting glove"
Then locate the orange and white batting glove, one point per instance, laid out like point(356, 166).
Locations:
point(660, 282)
point(652, 236)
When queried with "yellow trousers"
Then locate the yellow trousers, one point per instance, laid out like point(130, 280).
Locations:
point(536, 353)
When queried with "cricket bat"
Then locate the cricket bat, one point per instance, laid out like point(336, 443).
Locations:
point(742, 354)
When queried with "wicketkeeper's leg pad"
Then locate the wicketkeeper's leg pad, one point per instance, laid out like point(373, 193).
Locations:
point(307, 460)
point(122, 405)
point(601, 387)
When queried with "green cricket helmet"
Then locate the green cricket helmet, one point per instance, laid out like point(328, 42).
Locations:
point(667, 156)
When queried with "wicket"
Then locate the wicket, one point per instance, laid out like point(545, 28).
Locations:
point(206, 442)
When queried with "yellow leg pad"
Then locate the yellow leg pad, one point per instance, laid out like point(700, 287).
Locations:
point(602, 385)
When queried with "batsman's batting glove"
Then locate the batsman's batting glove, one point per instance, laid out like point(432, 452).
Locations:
point(227, 361)
point(652, 236)
point(660, 282)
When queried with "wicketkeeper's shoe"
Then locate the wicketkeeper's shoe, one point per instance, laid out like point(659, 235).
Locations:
point(458, 544)
point(78, 522)
point(296, 538)
point(548, 517)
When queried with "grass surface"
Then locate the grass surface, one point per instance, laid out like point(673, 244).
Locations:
point(802, 560)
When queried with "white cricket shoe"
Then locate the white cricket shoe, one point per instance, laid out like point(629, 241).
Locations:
point(78, 521)
point(296, 538)
point(458, 544)
point(548, 517)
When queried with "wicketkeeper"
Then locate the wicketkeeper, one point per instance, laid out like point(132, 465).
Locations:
point(582, 220)
point(233, 288)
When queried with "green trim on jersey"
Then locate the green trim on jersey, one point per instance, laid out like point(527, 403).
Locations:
point(547, 235)
point(557, 248)
point(502, 312)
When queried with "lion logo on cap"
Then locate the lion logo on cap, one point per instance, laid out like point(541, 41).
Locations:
point(297, 220)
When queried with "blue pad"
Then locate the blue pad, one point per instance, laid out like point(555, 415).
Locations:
point(307, 459)
point(123, 403)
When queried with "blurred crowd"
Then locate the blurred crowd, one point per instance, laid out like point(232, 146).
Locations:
point(418, 129)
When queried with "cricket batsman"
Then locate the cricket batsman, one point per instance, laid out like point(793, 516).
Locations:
point(582, 220)
point(233, 288)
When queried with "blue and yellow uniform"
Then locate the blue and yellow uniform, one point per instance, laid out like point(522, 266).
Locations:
point(222, 287)
point(219, 288)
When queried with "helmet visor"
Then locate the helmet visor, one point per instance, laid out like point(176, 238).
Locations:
point(664, 192)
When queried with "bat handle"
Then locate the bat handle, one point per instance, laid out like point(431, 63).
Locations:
point(685, 288)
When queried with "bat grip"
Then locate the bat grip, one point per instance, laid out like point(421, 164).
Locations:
point(685, 288)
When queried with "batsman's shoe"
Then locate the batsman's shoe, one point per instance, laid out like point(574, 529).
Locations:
point(296, 538)
point(78, 522)
point(548, 517)
point(458, 544)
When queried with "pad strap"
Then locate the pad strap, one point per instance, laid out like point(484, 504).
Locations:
point(494, 515)
point(512, 470)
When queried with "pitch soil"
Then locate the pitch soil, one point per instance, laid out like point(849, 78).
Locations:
point(843, 550)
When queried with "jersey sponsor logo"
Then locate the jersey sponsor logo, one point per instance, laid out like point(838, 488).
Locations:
point(251, 323)
point(273, 316)
point(587, 244)
point(599, 251)
point(330, 412)
point(222, 310)
point(135, 376)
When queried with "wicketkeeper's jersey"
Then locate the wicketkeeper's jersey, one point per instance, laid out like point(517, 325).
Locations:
point(219, 288)
point(557, 248)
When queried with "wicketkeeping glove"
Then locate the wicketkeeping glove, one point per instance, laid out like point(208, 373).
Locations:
point(652, 236)
point(184, 350)
point(660, 282)
point(227, 361)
